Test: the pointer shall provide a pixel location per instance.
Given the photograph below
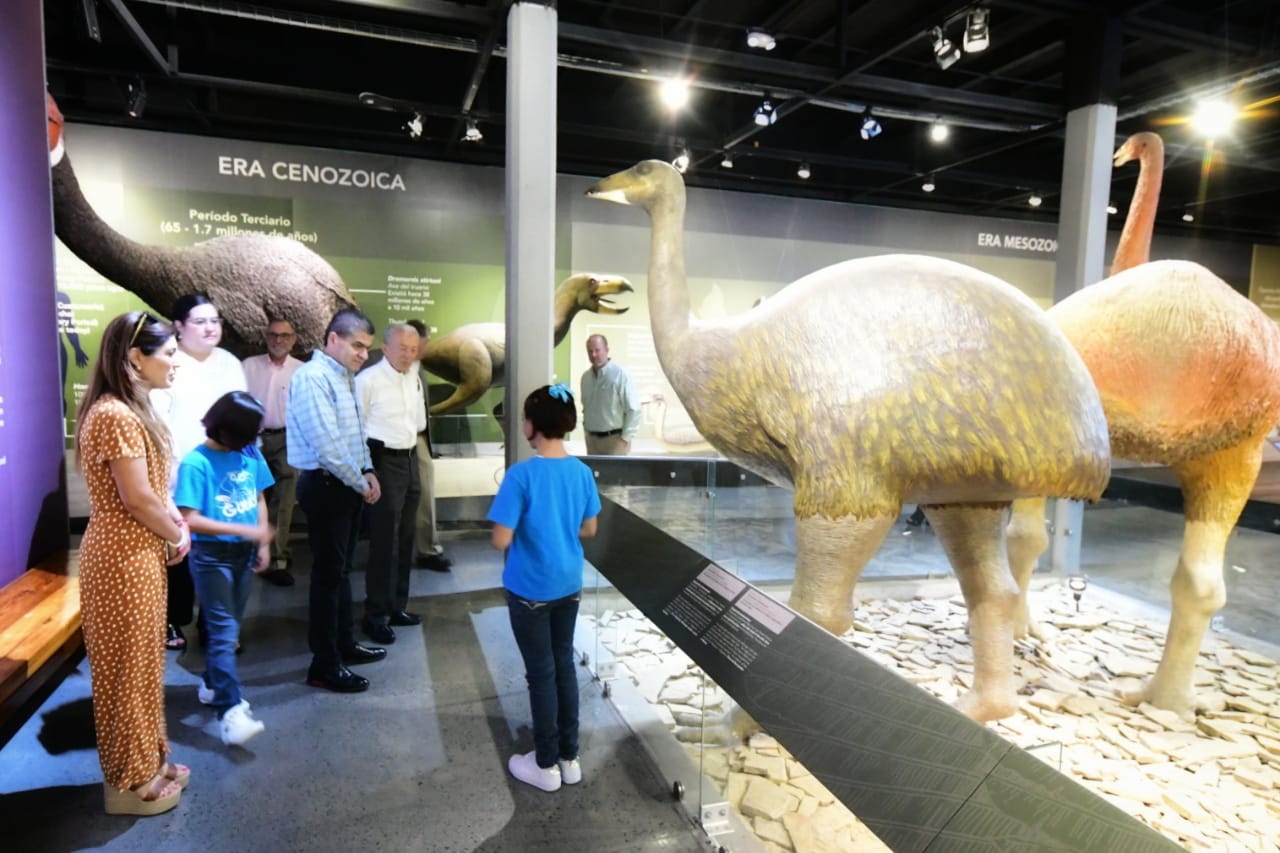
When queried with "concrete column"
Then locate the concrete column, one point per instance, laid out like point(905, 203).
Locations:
point(531, 209)
point(1082, 232)
point(33, 493)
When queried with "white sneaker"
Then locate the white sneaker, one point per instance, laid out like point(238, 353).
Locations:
point(570, 771)
point(525, 768)
point(238, 725)
point(205, 694)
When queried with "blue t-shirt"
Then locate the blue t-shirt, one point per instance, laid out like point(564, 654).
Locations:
point(545, 502)
point(222, 485)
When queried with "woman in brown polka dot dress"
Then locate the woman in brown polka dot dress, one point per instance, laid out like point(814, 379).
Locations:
point(133, 530)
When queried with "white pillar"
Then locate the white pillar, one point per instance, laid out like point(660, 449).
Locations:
point(1082, 237)
point(531, 209)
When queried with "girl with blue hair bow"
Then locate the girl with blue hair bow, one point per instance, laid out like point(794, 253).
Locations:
point(544, 508)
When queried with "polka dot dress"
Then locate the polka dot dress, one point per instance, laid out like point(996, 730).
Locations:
point(122, 600)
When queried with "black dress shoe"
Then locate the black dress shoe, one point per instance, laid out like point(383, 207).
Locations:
point(338, 679)
point(404, 617)
point(435, 562)
point(379, 632)
point(278, 577)
point(358, 654)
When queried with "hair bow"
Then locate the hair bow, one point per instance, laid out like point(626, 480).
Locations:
point(561, 392)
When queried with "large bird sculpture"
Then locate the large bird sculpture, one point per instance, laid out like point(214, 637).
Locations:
point(474, 357)
point(875, 382)
point(1189, 375)
point(250, 277)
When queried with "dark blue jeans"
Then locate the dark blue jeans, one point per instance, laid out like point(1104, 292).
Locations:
point(333, 522)
point(223, 575)
point(544, 633)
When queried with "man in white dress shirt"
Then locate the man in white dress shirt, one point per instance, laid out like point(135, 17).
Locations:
point(268, 376)
point(391, 401)
point(610, 404)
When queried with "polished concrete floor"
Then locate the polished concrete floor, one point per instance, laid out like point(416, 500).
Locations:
point(418, 763)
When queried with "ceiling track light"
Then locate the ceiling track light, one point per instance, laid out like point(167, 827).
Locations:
point(803, 172)
point(726, 162)
point(1188, 216)
point(945, 53)
point(977, 30)
point(674, 92)
point(939, 131)
point(870, 127)
point(1035, 200)
point(681, 161)
point(472, 133)
point(136, 99)
point(930, 184)
point(760, 40)
point(1112, 210)
point(414, 126)
point(766, 114)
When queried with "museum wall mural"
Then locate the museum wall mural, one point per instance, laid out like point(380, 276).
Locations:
point(412, 238)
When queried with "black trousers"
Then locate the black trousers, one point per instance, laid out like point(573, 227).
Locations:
point(391, 532)
point(333, 523)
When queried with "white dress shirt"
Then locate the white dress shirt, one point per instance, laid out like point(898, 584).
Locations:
point(392, 404)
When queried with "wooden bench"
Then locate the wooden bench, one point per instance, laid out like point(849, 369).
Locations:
point(40, 638)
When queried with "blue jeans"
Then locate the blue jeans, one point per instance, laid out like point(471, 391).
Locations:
point(544, 633)
point(222, 572)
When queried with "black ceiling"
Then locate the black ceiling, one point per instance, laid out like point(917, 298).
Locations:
point(292, 71)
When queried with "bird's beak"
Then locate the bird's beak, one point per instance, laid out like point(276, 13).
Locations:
point(607, 287)
point(1123, 155)
point(612, 188)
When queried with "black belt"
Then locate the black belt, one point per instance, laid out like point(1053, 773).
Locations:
point(604, 434)
point(273, 430)
point(376, 446)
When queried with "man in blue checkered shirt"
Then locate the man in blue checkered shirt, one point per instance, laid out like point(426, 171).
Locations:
point(326, 439)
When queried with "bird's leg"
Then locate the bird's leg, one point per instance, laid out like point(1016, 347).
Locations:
point(1215, 489)
point(830, 555)
point(972, 535)
point(1027, 541)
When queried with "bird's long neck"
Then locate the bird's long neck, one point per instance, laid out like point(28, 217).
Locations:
point(564, 309)
point(1134, 247)
point(668, 291)
point(142, 269)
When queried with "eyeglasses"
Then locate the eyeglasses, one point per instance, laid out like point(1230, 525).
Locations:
point(282, 335)
point(201, 322)
point(143, 319)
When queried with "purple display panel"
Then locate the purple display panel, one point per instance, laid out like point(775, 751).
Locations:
point(33, 495)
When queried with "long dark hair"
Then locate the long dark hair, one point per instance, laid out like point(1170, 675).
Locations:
point(115, 375)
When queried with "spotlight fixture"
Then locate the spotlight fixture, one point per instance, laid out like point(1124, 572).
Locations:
point(1035, 200)
point(1213, 118)
point(977, 31)
point(136, 99)
point(929, 184)
point(760, 40)
point(945, 53)
point(472, 133)
point(870, 128)
point(938, 131)
point(1112, 210)
point(765, 114)
point(803, 172)
point(726, 162)
point(674, 92)
point(414, 126)
point(1077, 584)
point(681, 161)
point(1188, 216)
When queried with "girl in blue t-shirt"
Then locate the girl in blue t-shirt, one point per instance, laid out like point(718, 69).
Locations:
point(544, 507)
point(219, 493)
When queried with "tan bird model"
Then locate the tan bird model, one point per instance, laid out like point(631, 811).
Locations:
point(1189, 375)
point(474, 357)
point(250, 277)
point(875, 382)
